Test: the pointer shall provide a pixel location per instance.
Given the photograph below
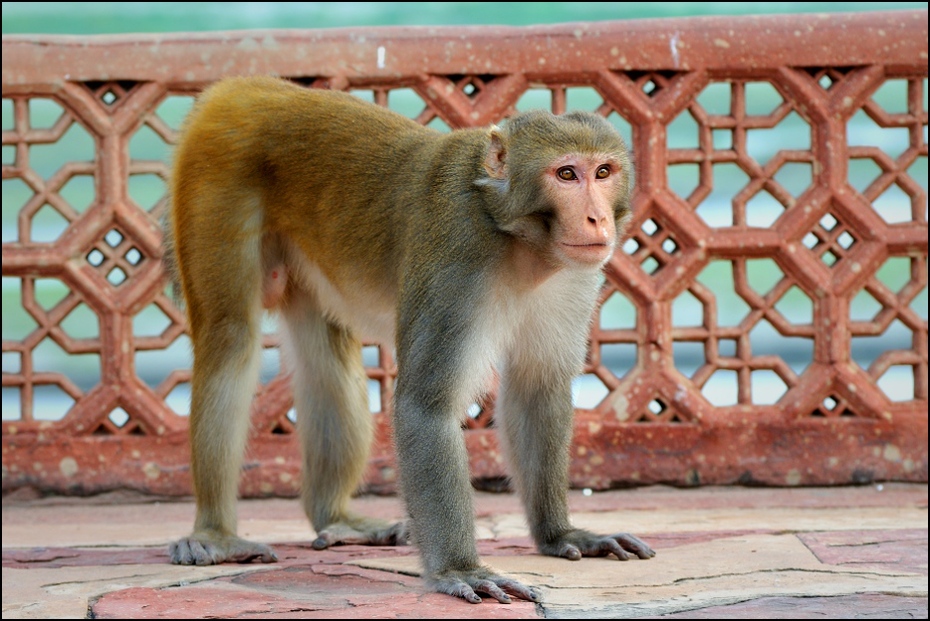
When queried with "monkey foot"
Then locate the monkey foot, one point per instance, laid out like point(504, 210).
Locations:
point(577, 543)
point(362, 531)
point(468, 585)
point(213, 549)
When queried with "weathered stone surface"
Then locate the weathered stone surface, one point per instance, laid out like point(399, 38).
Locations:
point(713, 572)
point(736, 552)
point(302, 592)
point(864, 606)
point(885, 549)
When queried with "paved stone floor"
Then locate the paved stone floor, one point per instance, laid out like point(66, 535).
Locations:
point(844, 552)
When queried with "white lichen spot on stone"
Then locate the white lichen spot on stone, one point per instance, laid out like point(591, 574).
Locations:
point(594, 428)
point(270, 43)
point(621, 405)
point(614, 51)
point(596, 460)
point(721, 43)
point(279, 460)
point(285, 477)
point(249, 44)
point(135, 454)
point(582, 451)
point(151, 470)
point(793, 477)
point(856, 268)
point(68, 466)
point(38, 466)
point(892, 453)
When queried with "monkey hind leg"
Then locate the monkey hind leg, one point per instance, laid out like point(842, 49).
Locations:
point(335, 426)
point(222, 287)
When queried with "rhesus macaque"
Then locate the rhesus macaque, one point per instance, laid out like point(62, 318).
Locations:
point(471, 249)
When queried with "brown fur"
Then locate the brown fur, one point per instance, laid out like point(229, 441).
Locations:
point(469, 250)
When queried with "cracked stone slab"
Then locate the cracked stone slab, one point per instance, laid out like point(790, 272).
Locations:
point(65, 592)
point(717, 572)
point(864, 606)
point(309, 591)
point(641, 522)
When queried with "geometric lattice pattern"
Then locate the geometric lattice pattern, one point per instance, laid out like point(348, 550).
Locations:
point(766, 320)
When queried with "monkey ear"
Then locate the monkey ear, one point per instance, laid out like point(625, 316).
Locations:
point(496, 161)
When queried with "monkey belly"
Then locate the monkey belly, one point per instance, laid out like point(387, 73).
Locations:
point(369, 312)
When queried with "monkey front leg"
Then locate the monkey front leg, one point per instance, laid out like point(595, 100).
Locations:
point(537, 422)
point(436, 486)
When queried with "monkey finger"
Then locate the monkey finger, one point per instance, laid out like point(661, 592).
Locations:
point(518, 589)
point(397, 535)
point(252, 552)
point(180, 553)
point(490, 588)
point(634, 544)
point(191, 552)
point(571, 552)
point(323, 541)
point(611, 546)
point(460, 589)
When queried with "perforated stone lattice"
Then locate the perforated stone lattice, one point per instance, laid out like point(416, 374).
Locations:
point(766, 321)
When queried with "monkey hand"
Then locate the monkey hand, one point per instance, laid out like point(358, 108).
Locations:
point(210, 548)
point(468, 583)
point(362, 531)
point(576, 543)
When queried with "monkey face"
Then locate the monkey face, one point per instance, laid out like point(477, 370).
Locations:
point(583, 187)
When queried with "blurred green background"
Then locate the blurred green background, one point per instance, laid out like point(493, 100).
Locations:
point(120, 17)
point(792, 132)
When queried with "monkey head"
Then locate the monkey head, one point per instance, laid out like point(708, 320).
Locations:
point(561, 184)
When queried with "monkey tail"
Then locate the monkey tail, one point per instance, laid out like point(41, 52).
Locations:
point(169, 260)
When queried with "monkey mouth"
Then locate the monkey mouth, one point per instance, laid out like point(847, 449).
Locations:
point(588, 253)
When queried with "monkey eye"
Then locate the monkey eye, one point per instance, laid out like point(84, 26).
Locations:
point(566, 173)
point(603, 172)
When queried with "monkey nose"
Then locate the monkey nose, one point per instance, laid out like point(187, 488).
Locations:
point(598, 227)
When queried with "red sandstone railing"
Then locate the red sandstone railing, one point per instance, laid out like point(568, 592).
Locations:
point(766, 323)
